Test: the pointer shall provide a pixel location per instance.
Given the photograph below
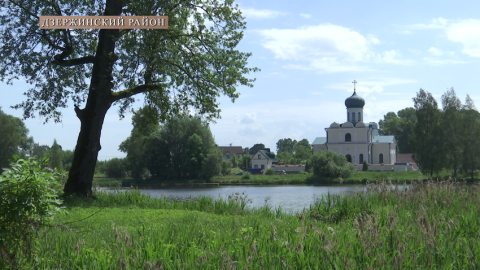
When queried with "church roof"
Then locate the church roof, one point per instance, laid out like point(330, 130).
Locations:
point(355, 101)
point(383, 139)
point(320, 140)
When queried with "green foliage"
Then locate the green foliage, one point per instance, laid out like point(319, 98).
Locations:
point(40, 151)
point(246, 161)
point(247, 175)
point(255, 148)
point(293, 152)
point(401, 127)
point(329, 164)
point(115, 168)
point(55, 156)
point(145, 122)
point(188, 66)
point(427, 135)
point(183, 148)
point(286, 157)
point(365, 166)
point(67, 159)
point(225, 167)
point(14, 137)
point(28, 202)
point(270, 171)
point(286, 145)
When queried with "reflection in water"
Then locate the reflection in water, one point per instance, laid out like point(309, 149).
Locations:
point(289, 198)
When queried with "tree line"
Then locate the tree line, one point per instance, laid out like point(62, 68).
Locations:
point(439, 138)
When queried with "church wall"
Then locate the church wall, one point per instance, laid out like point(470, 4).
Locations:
point(352, 149)
point(319, 147)
point(337, 135)
point(388, 151)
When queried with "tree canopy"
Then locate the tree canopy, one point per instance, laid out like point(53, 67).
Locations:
point(185, 67)
point(401, 126)
point(13, 138)
point(183, 148)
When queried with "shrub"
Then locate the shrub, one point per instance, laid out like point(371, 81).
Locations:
point(365, 166)
point(114, 168)
point(246, 175)
point(270, 172)
point(28, 202)
point(331, 165)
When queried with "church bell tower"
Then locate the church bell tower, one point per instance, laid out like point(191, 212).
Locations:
point(354, 106)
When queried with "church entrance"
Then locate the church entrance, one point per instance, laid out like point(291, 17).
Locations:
point(349, 158)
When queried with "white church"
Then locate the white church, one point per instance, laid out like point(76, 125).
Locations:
point(358, 140)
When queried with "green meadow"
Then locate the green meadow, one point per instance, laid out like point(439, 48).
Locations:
point(431, 225)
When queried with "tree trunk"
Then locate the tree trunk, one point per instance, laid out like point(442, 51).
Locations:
point(80, 177)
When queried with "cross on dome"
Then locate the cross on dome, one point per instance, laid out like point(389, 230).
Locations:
point(354, 86)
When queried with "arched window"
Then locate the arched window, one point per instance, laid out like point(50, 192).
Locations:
point(380, 158)
point(353, 117)
point(360, 158)
point(359, 117)
point(349, 158)
point(348, 137)
point(348, 117)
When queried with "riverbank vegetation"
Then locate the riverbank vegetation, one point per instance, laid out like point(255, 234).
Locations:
point(431, 225)
point(361, 177)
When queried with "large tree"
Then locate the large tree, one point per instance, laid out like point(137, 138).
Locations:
point(470, 143)
point(188, 65)
point(183, 148)
point(13, 138)
point(427, 135)
point(451, 122)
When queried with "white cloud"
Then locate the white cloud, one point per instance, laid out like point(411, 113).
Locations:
point(326, 47)
point(251, 13)
point(249, 118)
point(435, 51)
point(436, 23)
point(367, 87)
point(306, 16)
point(393, 57)
point(467, 33)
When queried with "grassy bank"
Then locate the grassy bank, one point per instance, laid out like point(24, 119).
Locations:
point(307, 178)
point(433, 225)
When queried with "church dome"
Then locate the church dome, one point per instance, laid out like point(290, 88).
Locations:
point(347, 125)
point(334, 125)
point(360, 125)
point(355, 101)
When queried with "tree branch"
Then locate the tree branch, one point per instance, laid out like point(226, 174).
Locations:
point(133, 91)
point(73, 62)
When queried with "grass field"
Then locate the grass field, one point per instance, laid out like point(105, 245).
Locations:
point(431, 225)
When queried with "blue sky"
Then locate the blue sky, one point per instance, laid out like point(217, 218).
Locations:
point(309, 52)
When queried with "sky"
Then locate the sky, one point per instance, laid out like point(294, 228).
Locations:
point(309, 52)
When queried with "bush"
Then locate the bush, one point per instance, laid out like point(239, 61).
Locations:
point(270, 172)
point(28, 202)
point(246, 175)
point(365, 166)
point(114, 168)
point(331, 165)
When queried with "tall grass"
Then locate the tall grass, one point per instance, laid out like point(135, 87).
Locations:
point(428, 225)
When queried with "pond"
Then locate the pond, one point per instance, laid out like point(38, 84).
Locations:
point(291, 198)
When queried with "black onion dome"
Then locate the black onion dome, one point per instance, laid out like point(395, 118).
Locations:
point(355, 101)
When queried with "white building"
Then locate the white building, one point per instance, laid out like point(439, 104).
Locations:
point(355, 139)
point(264, 160)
